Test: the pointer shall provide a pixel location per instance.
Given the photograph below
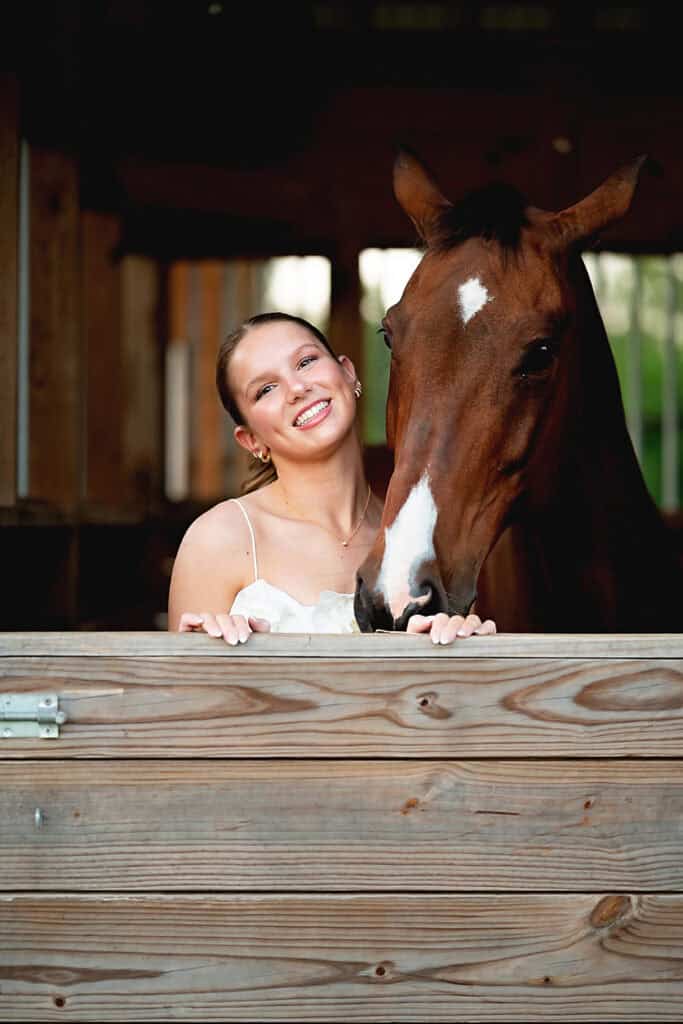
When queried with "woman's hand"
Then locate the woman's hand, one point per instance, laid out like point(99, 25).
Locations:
point(233, 628)
point(443, 629)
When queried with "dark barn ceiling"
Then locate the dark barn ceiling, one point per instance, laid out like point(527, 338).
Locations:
point(252, 88)
point(215, 80)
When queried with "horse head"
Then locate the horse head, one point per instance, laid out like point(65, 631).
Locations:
point(486, 366)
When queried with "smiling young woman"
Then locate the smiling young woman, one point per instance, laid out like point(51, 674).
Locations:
point(284, 556)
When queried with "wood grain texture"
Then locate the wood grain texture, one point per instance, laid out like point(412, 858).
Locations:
point(143, 375)
point(358, 645)
point(55, 330)
point(325, 958)
point(101, 236)
point(321, 707)
point(342, 826)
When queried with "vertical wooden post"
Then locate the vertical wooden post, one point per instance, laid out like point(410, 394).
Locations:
point(9, 234)
point(207, 465)
point(104, 478)
point(346, 325)
point(54, 330)
point(143, 376)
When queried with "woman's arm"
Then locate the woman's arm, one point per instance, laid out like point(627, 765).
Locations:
point(211, 565)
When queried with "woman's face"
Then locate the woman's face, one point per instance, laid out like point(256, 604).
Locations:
point(295, 397)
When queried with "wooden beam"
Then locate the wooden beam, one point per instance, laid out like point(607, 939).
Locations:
point(207, 481)
point(505, 957)
point(143, 380)
point(247, 706)
point(55, 408)
point(345, 331)
point(105, 481)
point(9, 280)
point(343, 826)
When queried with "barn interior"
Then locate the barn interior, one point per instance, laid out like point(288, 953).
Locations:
point(169, 169)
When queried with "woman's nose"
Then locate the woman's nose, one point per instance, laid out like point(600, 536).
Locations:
point(296, 388)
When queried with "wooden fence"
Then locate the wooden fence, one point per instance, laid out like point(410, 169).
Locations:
point(318, 828)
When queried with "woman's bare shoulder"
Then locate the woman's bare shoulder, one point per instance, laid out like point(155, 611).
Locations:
point(220, 530)
point(212, 564)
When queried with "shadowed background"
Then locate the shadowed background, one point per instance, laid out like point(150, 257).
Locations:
point(166, 170)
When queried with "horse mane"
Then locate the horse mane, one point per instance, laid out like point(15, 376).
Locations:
point(496, 212)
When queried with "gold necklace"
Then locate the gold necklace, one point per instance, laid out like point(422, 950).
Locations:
point(345, 543)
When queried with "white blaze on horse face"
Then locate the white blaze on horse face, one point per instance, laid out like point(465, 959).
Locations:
point(408, 543)
point(472, 296)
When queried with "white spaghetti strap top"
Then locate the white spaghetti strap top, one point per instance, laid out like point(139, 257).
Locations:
point(333, 612)
point(251, 534)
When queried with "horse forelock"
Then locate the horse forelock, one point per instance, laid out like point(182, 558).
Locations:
point(496, 212)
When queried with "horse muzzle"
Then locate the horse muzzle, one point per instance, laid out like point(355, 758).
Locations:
point(373, 612)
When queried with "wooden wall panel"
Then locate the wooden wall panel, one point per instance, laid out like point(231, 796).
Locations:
point(105, 481)
point(296, 829)
point(143, 379)
point(239, 703)
point(597, 956)
point(207, 453)
point(342, 826)
point(9, 280)
point(55, 408)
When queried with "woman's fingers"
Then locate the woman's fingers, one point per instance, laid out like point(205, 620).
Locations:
point(234, 629)
point(211, 625)
point(469, 626)
point(189, 622)
point(445, 628)
point(419, 623)
point(487, 628)
point(259, 625)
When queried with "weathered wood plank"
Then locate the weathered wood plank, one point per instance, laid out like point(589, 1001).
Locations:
point(320, 707)
point(363, 645)
point(207, 476)
point(342, 826)
point(101, 236)
point(55, 330)
point(589, 957)
point(142, 359)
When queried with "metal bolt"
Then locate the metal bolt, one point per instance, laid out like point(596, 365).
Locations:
point(38, 818)
point(7, 733)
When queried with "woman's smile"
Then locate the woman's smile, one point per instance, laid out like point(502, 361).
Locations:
point(313, 414)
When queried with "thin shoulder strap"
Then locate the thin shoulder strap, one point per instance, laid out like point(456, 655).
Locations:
point(251, 533)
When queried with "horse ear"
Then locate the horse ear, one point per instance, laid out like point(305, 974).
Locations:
point(607, 203)
point(417, 192)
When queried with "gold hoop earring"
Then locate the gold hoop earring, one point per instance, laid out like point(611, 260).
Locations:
point(358, 390)
point(262, 456)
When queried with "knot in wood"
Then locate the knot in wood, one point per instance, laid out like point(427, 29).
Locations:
point(610, 909)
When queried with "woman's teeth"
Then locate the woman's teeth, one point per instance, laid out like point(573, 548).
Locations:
point(310, 413)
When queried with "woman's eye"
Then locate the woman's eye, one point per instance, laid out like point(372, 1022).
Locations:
point(537, 359)
point(263, 391)
point(385, 334)
point(307, 359)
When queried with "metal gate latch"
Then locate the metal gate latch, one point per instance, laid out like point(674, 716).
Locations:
point(25, 715)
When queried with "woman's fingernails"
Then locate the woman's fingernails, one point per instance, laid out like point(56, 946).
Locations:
point(462, 632)
point(215, 632)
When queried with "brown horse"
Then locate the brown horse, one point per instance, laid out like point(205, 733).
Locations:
point(515, 482)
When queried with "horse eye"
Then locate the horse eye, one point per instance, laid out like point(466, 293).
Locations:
point(537, 359)
point(385, 334)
